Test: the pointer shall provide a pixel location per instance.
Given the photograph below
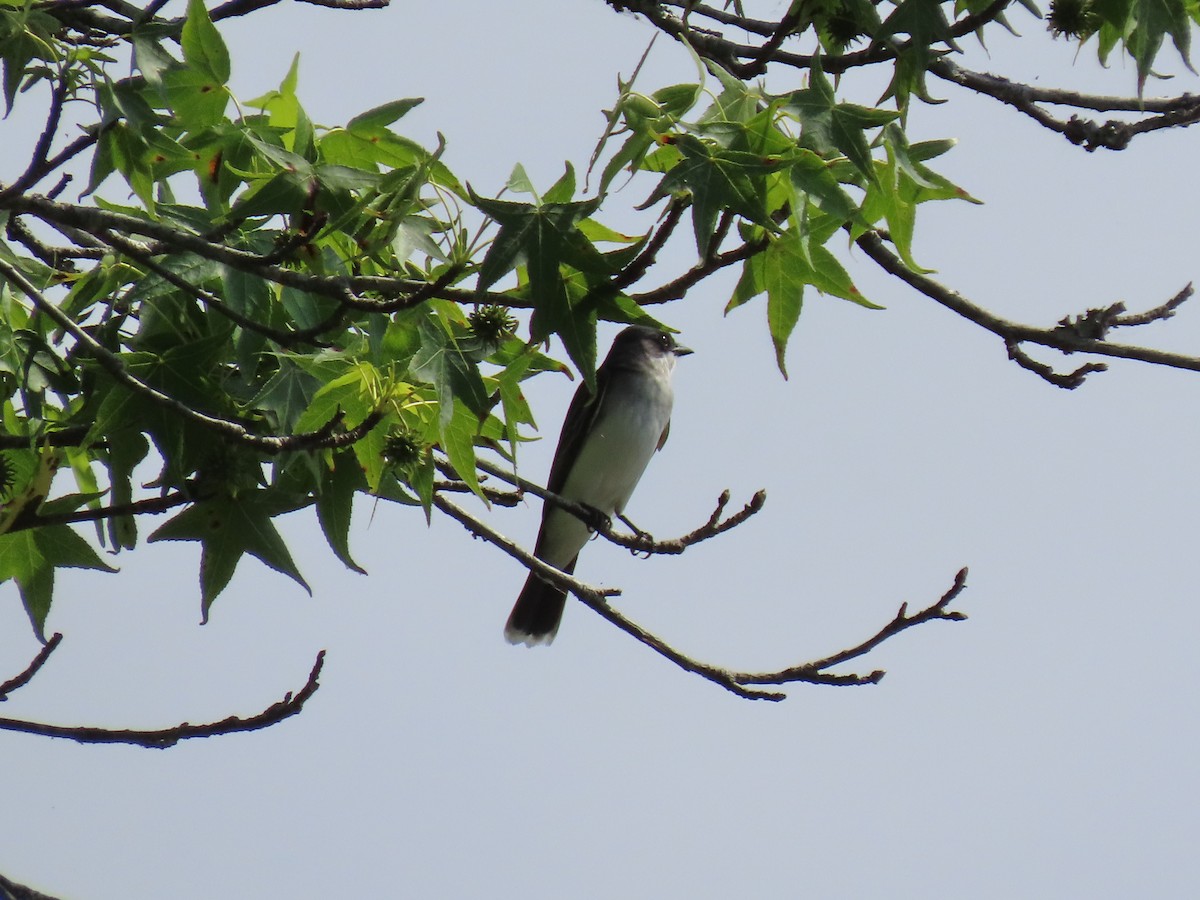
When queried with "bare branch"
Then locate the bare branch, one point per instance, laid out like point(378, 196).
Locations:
point(37, 167)
point(71, 436)
point(147, 506)
point(1063, 338)
point(19, 681)
point(715, 674)
point(10, 890)
point(1069, 380)
point(60, 258)
point(595, 599)
point(639, 542)
point(1111, 135)
point(640, 264)
point(814, 672)
point(500, 498)
point(740, 683)
point(678, 288)
point(162, 738)
point(349, 4)
point(1158, 313)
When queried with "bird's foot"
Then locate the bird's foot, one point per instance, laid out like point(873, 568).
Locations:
point(642, 536)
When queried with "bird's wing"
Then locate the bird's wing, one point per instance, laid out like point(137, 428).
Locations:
point(580, 416)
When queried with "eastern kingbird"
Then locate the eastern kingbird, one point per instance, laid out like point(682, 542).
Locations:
point(606, 443)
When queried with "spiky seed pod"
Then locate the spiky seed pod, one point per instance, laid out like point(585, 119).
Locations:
point(403, 449)
point(492, 323)
point(1072, 18)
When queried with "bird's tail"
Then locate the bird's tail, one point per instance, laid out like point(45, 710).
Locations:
point(536, 615)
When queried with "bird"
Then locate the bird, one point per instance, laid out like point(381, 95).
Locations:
point(607, 440)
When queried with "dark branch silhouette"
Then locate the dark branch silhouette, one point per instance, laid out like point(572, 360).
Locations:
point(22, 679)
point(161, 738)
point(744, 684)
point(10, 890)
point(639, 541)
point(1069, 336)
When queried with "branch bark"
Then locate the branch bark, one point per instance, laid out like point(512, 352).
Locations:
point(748, 685)
point(1062, 337)
point(161, 738)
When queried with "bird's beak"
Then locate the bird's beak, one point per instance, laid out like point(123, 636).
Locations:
point(681, 350)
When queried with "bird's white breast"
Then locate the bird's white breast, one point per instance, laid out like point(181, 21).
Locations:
point(612, 459)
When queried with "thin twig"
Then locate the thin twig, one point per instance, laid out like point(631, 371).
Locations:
point(1155, 314)
point(596, 599)
point(739, 683)
point(147, 506)
point(1068, 381)
point(19, 681)
point(640, 542)
point(161, 738)
point(1059, 339)
point(814, 673)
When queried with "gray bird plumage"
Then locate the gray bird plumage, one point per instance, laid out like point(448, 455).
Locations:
point(606, 443)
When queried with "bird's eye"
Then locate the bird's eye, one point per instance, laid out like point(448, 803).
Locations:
point(664, 340)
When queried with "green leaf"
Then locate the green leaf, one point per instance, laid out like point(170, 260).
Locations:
point(520, 183)
point(458, 440)
point(827, 125)
point(126, 448)
point(812, 177)
point(203, 48)
point(335, 504)
point(782, 271)
point(382, 116)
point(545, 237)
point(440, 361)
point(718, 180)
point(30, 557)
point(151, 59)
point(346, 394)
point(196, 97)
point(1153, 20)
point(229, 527)
point(923, 20)
point(286, 395)
point(369, 451)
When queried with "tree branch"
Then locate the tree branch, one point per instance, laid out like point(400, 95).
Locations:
point(677, 288)
point(1111, 135)
point(639, 542)
point(162, 738)
point(1062, 337)
point(10, 890)
point(19, 681)
point(147, 506)
point(742, 684)
point(347, 290)
point(813, 672)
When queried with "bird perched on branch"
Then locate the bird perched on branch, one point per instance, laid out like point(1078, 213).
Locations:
point(606, 443)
